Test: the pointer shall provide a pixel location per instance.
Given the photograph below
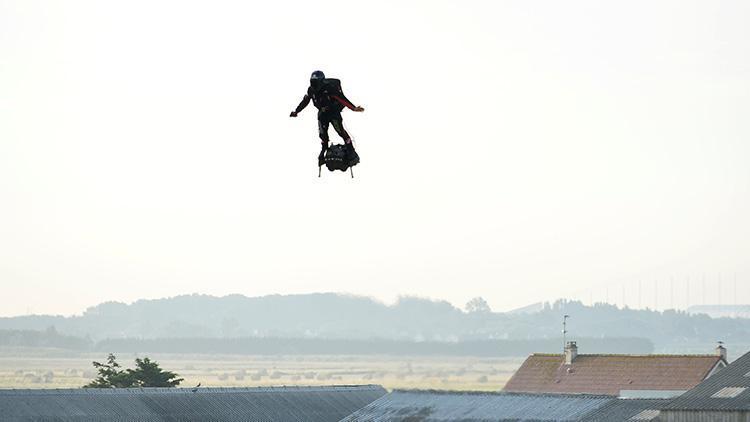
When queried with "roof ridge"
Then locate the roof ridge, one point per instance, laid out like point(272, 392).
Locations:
point(182, 390)
point(657, 355)
point(500, 393)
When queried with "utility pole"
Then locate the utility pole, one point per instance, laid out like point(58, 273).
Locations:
point(565, 330)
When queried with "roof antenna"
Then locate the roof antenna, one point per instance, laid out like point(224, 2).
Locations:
point(565, 330)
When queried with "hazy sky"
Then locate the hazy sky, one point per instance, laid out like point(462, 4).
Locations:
point(517, 150)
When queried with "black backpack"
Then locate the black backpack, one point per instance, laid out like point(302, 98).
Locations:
point(336, 158)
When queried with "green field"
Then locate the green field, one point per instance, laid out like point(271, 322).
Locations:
point(50, 369)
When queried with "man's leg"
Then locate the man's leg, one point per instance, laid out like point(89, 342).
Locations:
point(338, 125)
point(323, 133)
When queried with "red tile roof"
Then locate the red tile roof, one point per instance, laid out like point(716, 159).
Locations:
point(608, 374)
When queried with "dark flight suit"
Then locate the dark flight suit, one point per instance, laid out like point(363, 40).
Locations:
point(330, 101)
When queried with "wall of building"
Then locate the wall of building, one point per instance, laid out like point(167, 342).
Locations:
point(703, 416)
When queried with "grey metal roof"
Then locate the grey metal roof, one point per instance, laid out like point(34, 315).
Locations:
point(430, 406)
point(266, 404)
point(714, 392)
point(626, 410)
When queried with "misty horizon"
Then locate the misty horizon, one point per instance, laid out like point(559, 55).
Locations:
point(395, 301)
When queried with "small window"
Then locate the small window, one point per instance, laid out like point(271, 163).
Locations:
point(728, 392)
point(646, 415)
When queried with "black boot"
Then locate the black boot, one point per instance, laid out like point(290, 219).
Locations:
point(351, 155)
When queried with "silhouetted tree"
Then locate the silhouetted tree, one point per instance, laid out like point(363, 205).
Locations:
point(147, 373)
point(477, 304)
point(110, 375)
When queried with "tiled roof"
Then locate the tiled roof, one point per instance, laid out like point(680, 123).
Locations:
point(268, 404)
point(608, 374)
point(438, 406)
point(635, 410)
point(728, 389)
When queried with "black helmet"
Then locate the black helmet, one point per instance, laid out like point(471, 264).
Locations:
point(317, 78)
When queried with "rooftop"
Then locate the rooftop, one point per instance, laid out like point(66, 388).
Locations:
point(609, 374)
point(729, 389)
point(287, 404)
point(433, 406)
point(627, 410)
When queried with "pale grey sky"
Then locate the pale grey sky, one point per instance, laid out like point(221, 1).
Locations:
point(517, 150)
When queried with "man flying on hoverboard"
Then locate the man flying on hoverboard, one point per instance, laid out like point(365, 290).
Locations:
point(327, 96)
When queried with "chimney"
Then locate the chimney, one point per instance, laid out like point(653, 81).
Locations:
point(721, 351)
point(571, 351)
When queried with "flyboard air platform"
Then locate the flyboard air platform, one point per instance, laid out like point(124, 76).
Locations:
point(336, 159)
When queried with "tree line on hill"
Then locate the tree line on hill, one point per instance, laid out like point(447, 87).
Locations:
point(48, 338)
point(319, 346)
point(301, 346)
point(344, 317)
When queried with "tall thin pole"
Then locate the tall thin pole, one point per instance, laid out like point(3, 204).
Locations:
point(671, 293)
point(565, 330)
point(639, 295)
point(606, 294)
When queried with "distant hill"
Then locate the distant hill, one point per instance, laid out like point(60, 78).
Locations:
point(335, 316)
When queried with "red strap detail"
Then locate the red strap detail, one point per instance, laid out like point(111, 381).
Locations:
point(344, 102)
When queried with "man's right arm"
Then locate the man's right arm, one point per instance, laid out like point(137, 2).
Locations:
point(305, 101)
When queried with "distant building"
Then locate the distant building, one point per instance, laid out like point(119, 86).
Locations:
point(725, 397)
point(629, 376)
point(721, 311)
point(528, 309)
point(268, 404)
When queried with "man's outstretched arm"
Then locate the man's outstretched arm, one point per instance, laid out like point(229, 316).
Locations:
point(340, 97)
point(305, 101)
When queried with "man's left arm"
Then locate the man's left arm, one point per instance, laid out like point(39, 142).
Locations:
point(340, 97)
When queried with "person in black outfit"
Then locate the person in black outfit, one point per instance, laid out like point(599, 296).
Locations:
point(327, 96)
